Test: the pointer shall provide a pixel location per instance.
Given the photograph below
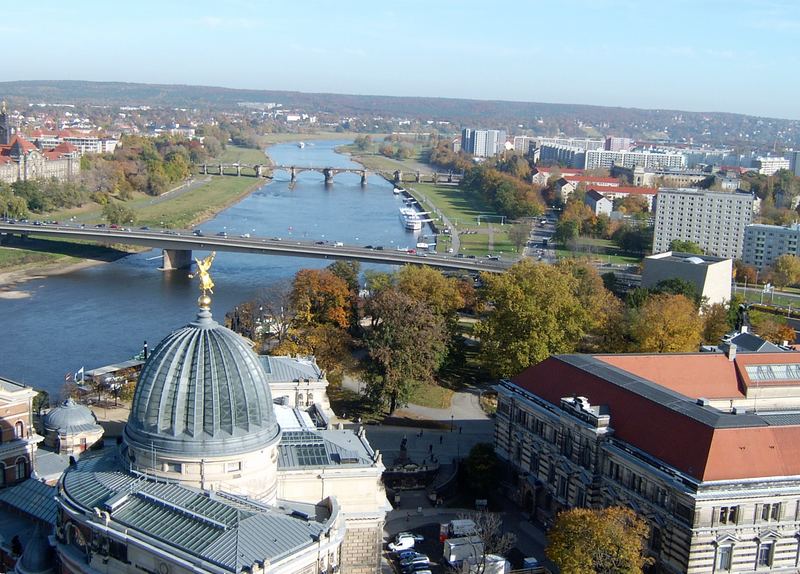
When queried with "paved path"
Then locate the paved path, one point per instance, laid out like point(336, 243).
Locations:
point(454, 241)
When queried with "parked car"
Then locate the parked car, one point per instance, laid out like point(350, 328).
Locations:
point(416, 537)
point(405, 554)
point(402, 544)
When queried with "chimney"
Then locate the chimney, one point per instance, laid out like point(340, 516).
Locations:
point(744, 329)
point(732, 351)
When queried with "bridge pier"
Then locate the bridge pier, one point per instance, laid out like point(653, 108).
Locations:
point(204, 169)
point(238, 170)
point(293, 174)
point(398, 176)
point(176, 259)
point(328, 173)
point(258, 170)
point(419, 177)
point(221, 170)
point(364, 177)
point(435, 178)
point(450, 176)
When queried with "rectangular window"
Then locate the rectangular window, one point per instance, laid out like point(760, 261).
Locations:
point(233, 466)
point(174, 467)
point(765, 551)
point(562, 488)
point(727, 514)
point(771, 512)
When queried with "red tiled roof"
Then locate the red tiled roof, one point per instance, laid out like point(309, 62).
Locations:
point(710, 376)
point(24, 144)
point(590, 179)
point(662, 428)
point(64, 147)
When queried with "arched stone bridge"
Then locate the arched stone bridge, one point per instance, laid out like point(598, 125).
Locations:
point(266, 170)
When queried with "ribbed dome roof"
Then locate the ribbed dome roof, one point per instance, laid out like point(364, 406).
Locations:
point(38, 557)
point(69, 417)
point(203, 391)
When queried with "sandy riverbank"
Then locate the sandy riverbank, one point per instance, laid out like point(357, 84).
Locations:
point(9, 279)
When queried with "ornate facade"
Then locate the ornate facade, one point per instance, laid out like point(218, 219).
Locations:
point(704, 446)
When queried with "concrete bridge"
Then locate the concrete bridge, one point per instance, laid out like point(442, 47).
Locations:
point(177, 246)
point(266, 170)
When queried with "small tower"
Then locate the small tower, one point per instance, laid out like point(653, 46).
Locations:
point(5, 127)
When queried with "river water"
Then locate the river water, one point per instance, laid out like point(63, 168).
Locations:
point(103, 314)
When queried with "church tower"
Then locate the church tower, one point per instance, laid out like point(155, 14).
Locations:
point(5, 127)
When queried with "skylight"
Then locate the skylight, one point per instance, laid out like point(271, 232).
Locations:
point(788, 372)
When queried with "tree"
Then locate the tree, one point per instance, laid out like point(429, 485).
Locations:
point(715, 323)
point(678, 286)
point(319, 296)
point(363, 142)
point(786, 270)
point(666, 324)
point(685, 246)
point(118, 214)
point(480, 470)
point(604, 541)
point(534, 312)
point(489, 529)
point(406, 346)
point(744, 273)
point(429, 286)
point(41, 401)
point(519, 235)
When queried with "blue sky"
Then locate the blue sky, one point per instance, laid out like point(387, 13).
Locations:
point(701, 55)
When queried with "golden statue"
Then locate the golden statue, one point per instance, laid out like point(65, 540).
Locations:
point(206, 284)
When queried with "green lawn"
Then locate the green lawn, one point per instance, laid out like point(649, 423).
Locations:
point(459, 206)
point(432, 396)
point(197, 205)
point(233, 154)
point(296, 137)
point(603, 250)
point(10, 257)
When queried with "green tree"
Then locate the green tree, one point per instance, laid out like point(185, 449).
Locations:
point(786, 270)
point(480, 470)
point(406, 346)
point(685, 246)
point(678, 286)
point(519, 235)
point(118, 214)
point(534, 312)
point(715, 323)
point(598, 541)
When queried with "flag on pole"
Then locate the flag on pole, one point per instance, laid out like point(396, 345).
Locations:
point(79, 376)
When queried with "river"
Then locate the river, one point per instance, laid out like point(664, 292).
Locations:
point(103, 314)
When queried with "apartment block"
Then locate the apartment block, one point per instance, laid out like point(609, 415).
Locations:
point(716, 221)
point(605, 159)
point(771, 165)
point(763, 244)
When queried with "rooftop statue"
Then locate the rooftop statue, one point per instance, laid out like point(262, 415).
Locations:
point(206, 283)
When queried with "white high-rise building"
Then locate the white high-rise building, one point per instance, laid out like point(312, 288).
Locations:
point(763, 244)
point(483, 143)
point(716, 221)
point(605, 159)
point(770, 165)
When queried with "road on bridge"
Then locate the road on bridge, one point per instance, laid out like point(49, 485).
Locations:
point(173, 240)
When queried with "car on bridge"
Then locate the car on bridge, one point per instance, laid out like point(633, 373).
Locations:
point(222, 234)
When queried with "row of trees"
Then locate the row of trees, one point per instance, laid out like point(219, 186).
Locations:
point(535, 310)
point(506, 194)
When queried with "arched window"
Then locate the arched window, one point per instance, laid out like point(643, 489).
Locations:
point(19, 430)
point(22, 469)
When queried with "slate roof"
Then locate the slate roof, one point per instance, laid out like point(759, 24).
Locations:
point(33, 498)
point(283, 369)
point(228, 531)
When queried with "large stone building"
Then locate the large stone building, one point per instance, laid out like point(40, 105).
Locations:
point(714, 220)
point(20, 160)
point(703, 445)
point(208, 478)
point(18, 439)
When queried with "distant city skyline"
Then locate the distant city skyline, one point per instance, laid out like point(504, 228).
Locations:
point(714, 56)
